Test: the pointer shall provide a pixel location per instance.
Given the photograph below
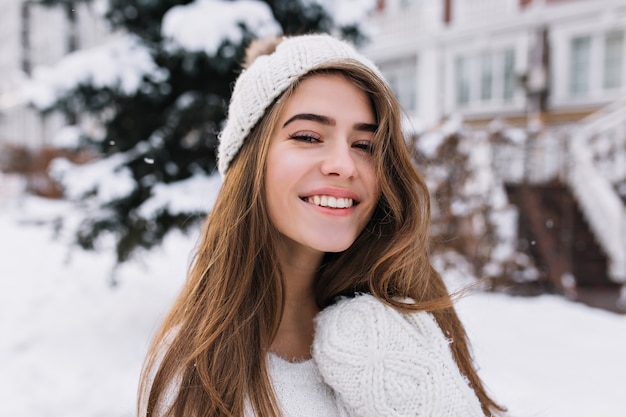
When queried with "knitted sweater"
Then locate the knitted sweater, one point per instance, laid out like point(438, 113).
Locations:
point(300, 390)
point(381, 362)
point(369, 360)
point(299, 387)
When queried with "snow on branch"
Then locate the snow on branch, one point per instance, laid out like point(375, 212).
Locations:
point(204, 25)
point(106, 179)
point(196, 194)
point(346, 12)
point(121, 64)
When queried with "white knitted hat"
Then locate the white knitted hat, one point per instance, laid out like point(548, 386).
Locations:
point(269, 76)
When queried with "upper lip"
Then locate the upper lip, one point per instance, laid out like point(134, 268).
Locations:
point(334, 192)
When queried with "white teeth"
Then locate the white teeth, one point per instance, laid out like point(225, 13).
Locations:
point(330, 201)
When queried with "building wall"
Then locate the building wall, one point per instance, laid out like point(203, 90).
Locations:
point(10, 55)
point(589, 31)
point(475, 63)
point(48, 35)
point(437, 67)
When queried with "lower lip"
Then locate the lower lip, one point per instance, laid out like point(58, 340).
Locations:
point(331, 211)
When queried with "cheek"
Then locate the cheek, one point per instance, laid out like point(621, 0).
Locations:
point(273, 202)
point(278, 172)
point(272, 182)
point(280, 176)
point(372, 185)
point(370, 179)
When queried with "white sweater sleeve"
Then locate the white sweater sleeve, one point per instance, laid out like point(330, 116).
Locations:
point(381, 362)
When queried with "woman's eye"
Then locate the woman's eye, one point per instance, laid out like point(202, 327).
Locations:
point(366, 146)
point(304, 137)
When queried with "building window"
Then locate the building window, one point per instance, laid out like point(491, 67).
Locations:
point(462, 70)
point(508, 86)
point(486, 77)
point(613, 59)
point(402, 77)
point(580, 65)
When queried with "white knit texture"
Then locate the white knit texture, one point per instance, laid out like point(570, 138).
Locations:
point(381, 362)
point(269, 76)
point(300, 389)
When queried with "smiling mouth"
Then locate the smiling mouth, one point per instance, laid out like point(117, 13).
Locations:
point(330, 201)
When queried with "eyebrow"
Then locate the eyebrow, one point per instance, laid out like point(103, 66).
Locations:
point(327, 121)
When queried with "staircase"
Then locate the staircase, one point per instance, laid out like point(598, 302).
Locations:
point(558, 237)
point(565, 182)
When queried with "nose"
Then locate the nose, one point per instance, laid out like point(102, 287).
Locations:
point(339, 160)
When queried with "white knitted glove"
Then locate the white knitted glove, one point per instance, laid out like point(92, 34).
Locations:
point(381, 362)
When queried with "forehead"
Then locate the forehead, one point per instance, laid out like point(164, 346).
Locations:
point(331, 95)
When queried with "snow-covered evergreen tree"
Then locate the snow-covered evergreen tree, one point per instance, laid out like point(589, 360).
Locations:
point(152, 101)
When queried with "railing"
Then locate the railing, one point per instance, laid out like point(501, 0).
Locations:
point(407, 20)
point(597, 155)
point(536, 159)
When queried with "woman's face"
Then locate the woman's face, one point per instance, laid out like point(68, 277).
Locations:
point(320, 181)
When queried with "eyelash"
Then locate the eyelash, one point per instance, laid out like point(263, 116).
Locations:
point(365, 146)
point(310, 138)
point(304, 137)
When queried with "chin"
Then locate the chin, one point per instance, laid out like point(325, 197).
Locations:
point(335, 248)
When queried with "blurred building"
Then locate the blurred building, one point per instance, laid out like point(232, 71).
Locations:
point(33, 35)
point(482, 58)
point(556, 71)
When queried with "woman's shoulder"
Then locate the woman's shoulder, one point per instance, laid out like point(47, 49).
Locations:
point(365, 316)
point(382, 361)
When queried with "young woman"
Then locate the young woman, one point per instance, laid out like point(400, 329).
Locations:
point(311, 293)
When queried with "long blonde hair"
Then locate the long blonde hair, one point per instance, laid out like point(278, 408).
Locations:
point(209, 355)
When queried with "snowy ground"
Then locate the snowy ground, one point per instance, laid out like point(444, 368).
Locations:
point(72, 346)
